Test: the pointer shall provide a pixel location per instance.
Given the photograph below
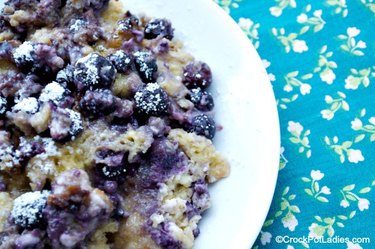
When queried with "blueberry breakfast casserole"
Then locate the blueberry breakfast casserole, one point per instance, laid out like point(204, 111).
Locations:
point(106, 129)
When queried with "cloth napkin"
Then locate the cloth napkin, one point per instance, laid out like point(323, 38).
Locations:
point(320, 58)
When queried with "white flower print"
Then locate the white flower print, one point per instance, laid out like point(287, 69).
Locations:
point(271, 77)
point(351, 45)
point(363, 204)
point(288, 88)
point(265, 237)
point(299, 46)
point(305, 89)
point(318, 13)
point(316, 175)
point(325, 190)
point(344, 150)
point(295, 127)
point(266, 65)
point(302, 18)
point(356, 124)
point(355, 156)
point(327, 114)
point(281, 5)
point(351, 245)
point(250, 29)
point(344, 203)
point(359, 77)
point(335, 104)
point(316, 231)
point(372, 120)
point(352, 82)
point(290, 222)
point(350, 195)
point(361, 44)
point(353, 31)
point(314, 22)
point(340, 6)
point(328, 76)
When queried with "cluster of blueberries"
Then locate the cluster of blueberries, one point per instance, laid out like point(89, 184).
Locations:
point(93, 75)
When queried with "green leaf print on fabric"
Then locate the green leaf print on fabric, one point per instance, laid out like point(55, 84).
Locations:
point(314, 189)
point(335, 104)
point(290, 41)
point(350, 44)
point(344, 150)
point(315, 22)
point(299, 137)
point(366, 130)
point(326, 226)
point(251, 30)
point(292, 81)
point(340, 6)
point(359, 77)
point(281, 5)
point(369, 4)
point(349, 195)
point(286, 211)
point(325, 66)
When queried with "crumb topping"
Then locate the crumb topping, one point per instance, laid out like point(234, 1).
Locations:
point(28, 105)
point(52, 92)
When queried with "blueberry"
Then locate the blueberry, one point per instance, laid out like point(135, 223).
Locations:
point(203, 125)
point(159, 27)
point(98, 102)
point(24, 55)
point(55, 93)
point(27, 209)
point(94, 71)
point(66, 76)
point(65, 124)
point(151, 100)
point(28, 105)
point(128, 23)
point(37, 58)
point(202, 100)
point(197, 74)
point(146, 66)
point(6, 50)
point(111, 172)
point(110, 164)
point(123, 62)
point(3, 105)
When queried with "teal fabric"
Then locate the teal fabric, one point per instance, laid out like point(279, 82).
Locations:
point(320, 57)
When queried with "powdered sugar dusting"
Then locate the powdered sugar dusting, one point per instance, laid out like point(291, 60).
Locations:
point(52, 92)
point(8, 157)
point(76, 125)
point(3, 105)
point(77, 25)
point(28, 105)
point(150, 99)
point(50, 150)
point(91, 69)
point(27, 208)
point(24, 52)
point(142, 58)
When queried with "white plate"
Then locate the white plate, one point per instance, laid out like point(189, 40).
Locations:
point(246, 108)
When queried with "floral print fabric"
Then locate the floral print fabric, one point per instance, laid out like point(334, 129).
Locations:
point(320, 57)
